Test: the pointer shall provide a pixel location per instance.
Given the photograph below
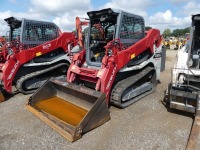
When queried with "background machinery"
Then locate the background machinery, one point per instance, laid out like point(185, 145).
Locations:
point(120, 64)
point(167, 42)
point(38, 51)
point(184, 91)
point(24, 34)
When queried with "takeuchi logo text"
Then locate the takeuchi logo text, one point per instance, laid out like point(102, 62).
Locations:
point(46, 46)
point(13, 70)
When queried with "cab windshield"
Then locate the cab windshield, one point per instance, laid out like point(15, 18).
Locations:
point(101, 33)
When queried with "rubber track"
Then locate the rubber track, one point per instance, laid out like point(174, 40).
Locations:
point(34, 74)
point(120, 87)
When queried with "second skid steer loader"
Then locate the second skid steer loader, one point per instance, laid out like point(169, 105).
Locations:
point(29, 62)
point(184, 89)
point(120, 64)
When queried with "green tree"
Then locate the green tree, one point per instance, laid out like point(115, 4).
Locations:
point(74, 31)
point(177, 32)
point(167, 32)
point(147, 28)
point(186, 30)
point(180, 32)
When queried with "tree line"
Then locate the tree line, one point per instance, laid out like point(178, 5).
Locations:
point(177, 32)
point(166, 33)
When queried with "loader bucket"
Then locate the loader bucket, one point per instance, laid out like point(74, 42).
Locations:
point(70, 109)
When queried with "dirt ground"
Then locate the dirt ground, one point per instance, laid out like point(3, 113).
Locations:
point(146, 125)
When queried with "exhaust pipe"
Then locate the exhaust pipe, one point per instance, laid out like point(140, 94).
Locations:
point(70, 109)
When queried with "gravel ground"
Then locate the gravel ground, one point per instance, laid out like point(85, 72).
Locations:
point(146, 125)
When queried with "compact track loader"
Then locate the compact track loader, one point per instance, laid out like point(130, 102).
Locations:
point(184, 91)
point(36, 51)
point(120, 64)
point(24, 34)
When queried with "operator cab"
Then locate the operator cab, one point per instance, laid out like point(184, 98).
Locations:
point(102, 29)
point(107, 25)
point(30, 32)
point(194, 50)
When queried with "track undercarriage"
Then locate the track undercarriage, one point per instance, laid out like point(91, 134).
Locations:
point(133, 88)
point(32, 81)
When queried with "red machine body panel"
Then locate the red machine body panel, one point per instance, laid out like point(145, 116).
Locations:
point(12, 65)
point(104, 77)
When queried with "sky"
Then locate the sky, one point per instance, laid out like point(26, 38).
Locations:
point(159, 14)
